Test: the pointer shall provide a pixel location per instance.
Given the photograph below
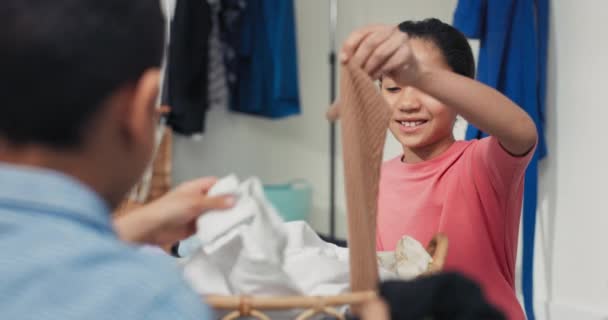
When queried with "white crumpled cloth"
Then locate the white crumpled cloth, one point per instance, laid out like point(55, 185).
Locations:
point(250, 250)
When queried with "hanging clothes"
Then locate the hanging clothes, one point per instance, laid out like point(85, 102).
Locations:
point(187, 77)
point(268, 69)
point(217, 84)
point(231, 22)
point(512, 59)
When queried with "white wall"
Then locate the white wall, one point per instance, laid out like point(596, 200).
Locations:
point(572, 260)
point(571, 263)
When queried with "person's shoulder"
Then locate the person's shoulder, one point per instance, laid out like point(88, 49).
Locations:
point(167, 294)
point(464, 145)
point(475, 145)
point(93, 278)
point(133, 264)
point(492, 148)
point(483, 140)
point(149, 283)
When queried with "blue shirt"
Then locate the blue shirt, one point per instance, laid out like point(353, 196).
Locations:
point(61, 259)
point(512, 55)
point(268, 64)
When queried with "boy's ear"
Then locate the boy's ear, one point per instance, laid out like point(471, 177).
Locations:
point(140, 111)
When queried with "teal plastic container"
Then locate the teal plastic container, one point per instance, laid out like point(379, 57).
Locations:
point(293, 200)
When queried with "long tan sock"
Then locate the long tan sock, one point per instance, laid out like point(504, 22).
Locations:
point(365, 117)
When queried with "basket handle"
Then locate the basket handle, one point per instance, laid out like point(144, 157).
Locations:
point(245, 311)
point(308, 314)
point(254, 313)
point(438, 249)
point(320, 308)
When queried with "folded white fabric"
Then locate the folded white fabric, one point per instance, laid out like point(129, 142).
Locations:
point(409, 260)
point(250, 250)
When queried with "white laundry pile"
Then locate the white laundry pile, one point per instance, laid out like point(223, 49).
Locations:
point(250, 250)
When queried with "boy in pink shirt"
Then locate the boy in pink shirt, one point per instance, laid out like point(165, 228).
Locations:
point(470, 191)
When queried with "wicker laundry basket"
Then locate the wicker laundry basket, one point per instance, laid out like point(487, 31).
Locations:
point(309, 306)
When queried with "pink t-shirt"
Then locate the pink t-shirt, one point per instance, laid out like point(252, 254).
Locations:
point(472, 193)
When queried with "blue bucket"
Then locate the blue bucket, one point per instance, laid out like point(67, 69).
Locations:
point(293, 200)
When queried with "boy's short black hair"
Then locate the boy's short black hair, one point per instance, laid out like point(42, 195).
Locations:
point(59, 60)
point(452, 43)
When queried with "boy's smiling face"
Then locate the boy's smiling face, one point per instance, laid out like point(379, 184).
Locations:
point(419, 120)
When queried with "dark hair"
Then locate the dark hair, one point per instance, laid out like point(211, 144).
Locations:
point(452, 43)
point(60, 59)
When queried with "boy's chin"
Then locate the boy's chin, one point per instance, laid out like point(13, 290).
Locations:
point(414, 142)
